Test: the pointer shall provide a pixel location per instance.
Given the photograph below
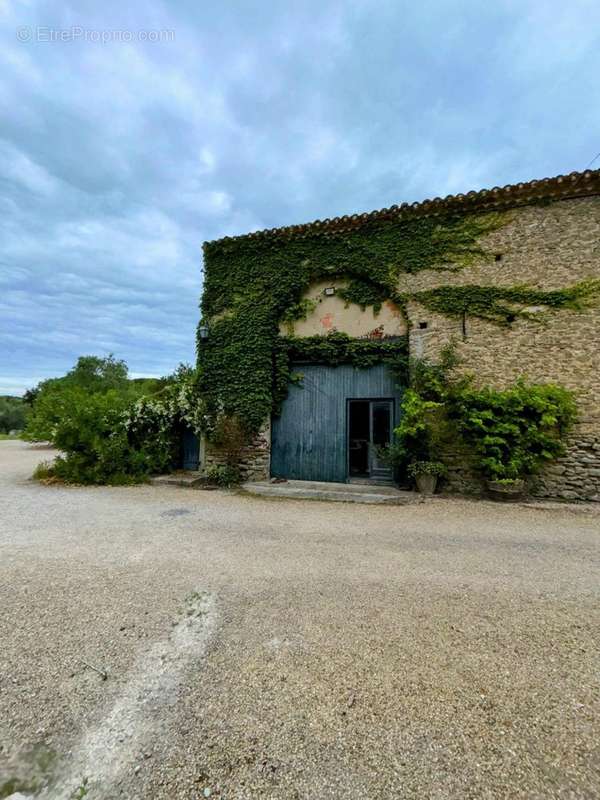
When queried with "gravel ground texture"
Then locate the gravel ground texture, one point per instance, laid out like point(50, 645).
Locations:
point(259, 648)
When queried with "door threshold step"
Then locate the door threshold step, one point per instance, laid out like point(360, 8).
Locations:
point(336, 492)
point(370, 482)
point(369, 488)
point(188, 478)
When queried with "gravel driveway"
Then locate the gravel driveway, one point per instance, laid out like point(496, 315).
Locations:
point(283, 649)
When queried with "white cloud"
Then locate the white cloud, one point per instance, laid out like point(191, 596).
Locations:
point(16, 167)
point(118, 160)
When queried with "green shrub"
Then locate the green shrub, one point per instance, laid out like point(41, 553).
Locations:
point(108, 433)
point(223, 475)
point(516, 431)
point(230, 437)
point(417, 431)
point(512, 433)
point(51, 400)
point(423, 431)
point(12, 414)
point(98, 445)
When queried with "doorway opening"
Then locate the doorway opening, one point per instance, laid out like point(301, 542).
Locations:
point(359, 434)
point(370, 427)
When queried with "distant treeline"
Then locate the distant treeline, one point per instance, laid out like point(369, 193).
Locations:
point(12, 413)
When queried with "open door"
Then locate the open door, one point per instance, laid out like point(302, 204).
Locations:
point(359, 439)
point(381, 436)
point(370, 427)
point(331, 419)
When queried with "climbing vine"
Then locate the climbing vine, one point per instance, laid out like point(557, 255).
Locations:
point(378, 251)
point(299, 310)
point(503, 304)
point(510, 433)
point(334, 348)
point(253, 284)
point(365, 293)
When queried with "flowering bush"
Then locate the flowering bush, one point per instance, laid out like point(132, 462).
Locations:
point(177, 405)
point(94, 443)
point(114, 436)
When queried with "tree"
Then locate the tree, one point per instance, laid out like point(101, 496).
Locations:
point(98, 374)
point(50, 400)
point(108, 428)
point(12, 414)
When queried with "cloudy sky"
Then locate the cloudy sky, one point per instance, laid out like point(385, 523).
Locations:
point(130, 132)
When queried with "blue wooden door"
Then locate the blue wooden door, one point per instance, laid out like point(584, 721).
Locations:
point(191, 450)
point(310, 436)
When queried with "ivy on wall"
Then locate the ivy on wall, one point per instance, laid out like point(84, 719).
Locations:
point(339, 348)
point(332, 349)
point(378, 251)
point(365, 293)
point(252, 284)
point(300, 310)
point(503, 304)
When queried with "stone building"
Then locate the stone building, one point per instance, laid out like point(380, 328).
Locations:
point(398, 276)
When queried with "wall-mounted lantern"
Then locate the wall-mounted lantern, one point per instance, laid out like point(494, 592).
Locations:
point(329, 291)
point(203, 332)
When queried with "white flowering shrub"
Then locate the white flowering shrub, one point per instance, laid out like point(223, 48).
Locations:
point(111, 438)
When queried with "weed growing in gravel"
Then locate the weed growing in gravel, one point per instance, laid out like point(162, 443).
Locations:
point(44, 471)
point(81, 791)
point(195, 604)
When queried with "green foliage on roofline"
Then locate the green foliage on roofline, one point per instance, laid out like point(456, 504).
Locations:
point(253, 283)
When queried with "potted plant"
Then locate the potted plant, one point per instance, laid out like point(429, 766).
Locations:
point(506, 489)
point(426, 474)
point(419, 438)
point(515, 432)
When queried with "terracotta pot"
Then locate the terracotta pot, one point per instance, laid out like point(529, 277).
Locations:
point(506, 492)
point(426, 483)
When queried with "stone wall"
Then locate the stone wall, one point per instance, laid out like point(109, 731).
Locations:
point(255, 459)
point(577, 475)
point(547, 247)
